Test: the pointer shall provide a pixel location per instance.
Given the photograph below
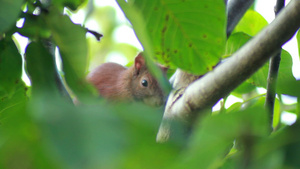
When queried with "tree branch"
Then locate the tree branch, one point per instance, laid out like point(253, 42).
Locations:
point(235, 11)
point(273, 73)
point(205, 92)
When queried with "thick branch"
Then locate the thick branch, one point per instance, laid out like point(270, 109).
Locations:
point(205, 92)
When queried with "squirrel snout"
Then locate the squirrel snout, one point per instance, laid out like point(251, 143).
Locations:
point(154, 101)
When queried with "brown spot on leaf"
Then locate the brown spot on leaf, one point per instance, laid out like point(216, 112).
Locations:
point(167, 17)
point(204, 36)
point(190, 45)
point(164, 29)
point(175, 51)
point(156, 8)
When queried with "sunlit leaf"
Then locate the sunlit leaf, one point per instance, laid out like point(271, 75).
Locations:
point(188, 34)
point(9, 12)
point(276, 114)
point(251, 23)
point(235, 42)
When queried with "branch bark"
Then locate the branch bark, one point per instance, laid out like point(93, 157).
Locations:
point(236, 10)
point(273, 73)
point(205, 92)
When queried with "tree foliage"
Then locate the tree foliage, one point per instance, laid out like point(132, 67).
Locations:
point(41, 128)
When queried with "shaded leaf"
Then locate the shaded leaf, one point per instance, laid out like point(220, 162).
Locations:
point(71, 41)
point(10, 67)
point(41, 69)
point(298, 40)
point(215, 135)
point(9, 12)
point(34, 27)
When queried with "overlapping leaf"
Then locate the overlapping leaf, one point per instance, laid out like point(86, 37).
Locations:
point(188, 34)
point(251, 23)
point(71, 41)
point(9, 11)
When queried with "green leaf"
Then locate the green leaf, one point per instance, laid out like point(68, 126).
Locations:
point(21, 141)
point(215, 135)
point(235, 42)
point(276, 114)
point(9, 12)
point(18, 97)
point(298, 40)
point(104, 136)
point(286, 82)
point(34, 27)
point(72, 4)
point(188, 34)
point(72, 44)
point(10, 67)
point(41, 69)
point(251, 23)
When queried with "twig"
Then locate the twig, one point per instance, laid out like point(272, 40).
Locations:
point(273, 73)
point(96, 34)
point(235, 11)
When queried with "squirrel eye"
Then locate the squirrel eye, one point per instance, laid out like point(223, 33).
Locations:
point(144, 83)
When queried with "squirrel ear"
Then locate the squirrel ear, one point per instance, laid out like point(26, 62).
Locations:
point(164, 68)
point(139, 61)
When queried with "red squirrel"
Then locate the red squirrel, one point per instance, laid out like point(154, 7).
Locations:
point(116, 82)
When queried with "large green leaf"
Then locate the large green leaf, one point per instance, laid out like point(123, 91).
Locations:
point(251, 23)
point(188, 34)
point(103, 135)
point(21, 143)
point(9, 12)
point(41, 69)
point(10, 67)
point(72, 44)
point(215, 136)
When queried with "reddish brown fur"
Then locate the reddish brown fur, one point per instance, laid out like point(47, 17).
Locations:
point(116, 82)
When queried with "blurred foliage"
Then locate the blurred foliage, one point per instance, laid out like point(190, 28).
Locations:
point(41, 128)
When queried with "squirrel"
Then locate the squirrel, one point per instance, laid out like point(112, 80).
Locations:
point(116, 82)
